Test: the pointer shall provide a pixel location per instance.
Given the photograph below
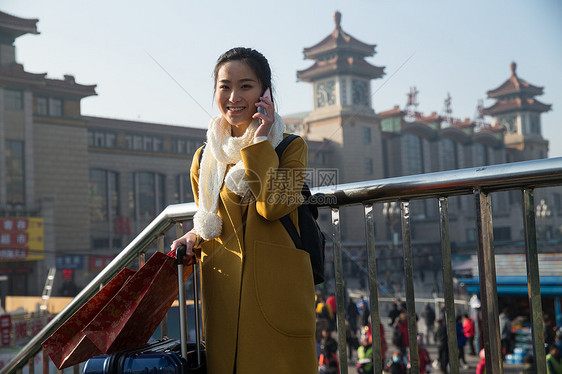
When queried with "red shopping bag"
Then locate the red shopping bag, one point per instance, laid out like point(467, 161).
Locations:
point(130, 312)
point(68, 345)
point(133, 314)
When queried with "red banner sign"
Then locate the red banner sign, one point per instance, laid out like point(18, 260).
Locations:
point(5, 328)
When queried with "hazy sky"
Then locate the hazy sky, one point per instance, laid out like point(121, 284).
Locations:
point(152, 60)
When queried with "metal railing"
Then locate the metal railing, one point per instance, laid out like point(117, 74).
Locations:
point(479, 182)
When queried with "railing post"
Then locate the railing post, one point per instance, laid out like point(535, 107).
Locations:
point(488, 283)
point(373, 290)
point(446, 265)
point(340, 300)
point(410, 297)
point(533, 280)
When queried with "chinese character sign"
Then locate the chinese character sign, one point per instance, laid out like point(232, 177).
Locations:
point(5, 329)
point(22, 239)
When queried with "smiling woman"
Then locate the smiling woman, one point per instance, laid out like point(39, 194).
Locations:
point(258, 288)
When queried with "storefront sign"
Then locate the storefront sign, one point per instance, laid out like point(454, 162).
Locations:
point(5, 329)
point(99, 262)
point(70, 262)
point(22, 239)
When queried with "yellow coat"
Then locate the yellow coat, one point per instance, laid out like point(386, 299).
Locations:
point(258, 289)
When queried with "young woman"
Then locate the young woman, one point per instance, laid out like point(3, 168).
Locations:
point(258, 289)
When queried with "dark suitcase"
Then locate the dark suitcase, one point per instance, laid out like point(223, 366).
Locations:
point(162, 356)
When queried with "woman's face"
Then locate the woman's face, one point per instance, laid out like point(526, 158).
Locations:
point(237, 90)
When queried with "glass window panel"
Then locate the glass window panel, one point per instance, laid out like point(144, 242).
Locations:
point(15, 181)
point(56, 107)
point(184, 193)
point(42, 106)
point(110, 140)
point(450, 160)
point(13, 99)
point(146, 195)
point(481, 154)
point(414, 155)
point(98, 195)
point(113, 188)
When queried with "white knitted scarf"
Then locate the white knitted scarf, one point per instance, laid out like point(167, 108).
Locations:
point(223, 149)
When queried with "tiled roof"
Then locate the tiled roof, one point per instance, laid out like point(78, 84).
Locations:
point(518, 103)
point(14, 74)
point(339, 53)
point(340, 65)
point(16, 26)
point(339, 40)
point(515, 85)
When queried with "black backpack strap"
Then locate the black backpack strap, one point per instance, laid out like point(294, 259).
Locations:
point(284, 144)
point(286, 220)
point(201, 154)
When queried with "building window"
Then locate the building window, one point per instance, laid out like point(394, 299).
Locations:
point(147, 145)
point(449, 157)
point(147, 195)
point(104, 195)
point(480, 154)
point(184, 193)
point(414, 154)
point(56, 107)
point(110, 140)
point(471, 235)
point(157, 145)
point(502, 234)
point(366, 135)
point(369, 166)
point(15, 181)
point(180, 146)
point(42, 106)
point(137, 142)
point(13, 99)
point(99, 139)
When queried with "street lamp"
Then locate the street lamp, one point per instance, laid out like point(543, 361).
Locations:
point(541, 213)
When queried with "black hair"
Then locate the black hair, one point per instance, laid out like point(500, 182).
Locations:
point(254, 59)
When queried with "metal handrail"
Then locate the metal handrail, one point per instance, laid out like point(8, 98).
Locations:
point(520, 175)
point(161, 224)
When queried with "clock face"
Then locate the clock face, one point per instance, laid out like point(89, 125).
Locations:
point(360, 93)
point(509, 124)
point(326, 93)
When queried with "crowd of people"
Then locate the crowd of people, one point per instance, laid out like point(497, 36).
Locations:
point(359, 338)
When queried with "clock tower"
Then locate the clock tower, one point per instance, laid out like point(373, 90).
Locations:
point(343, 111)
point(519, 113)
point(340, 76)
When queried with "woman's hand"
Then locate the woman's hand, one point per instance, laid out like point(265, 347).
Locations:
point(266, 119)
point(189, 241)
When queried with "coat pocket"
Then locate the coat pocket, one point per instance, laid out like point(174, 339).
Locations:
point(285, 288)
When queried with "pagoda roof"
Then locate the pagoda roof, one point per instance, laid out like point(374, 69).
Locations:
point(68, 86)
point(516, 104)
point(339, 40)
point(340, 65)
point(15, 75)
point(515, 86)
point(16, 26)
point(339, 53)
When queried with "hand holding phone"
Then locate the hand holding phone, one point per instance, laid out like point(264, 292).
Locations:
point(267, 95)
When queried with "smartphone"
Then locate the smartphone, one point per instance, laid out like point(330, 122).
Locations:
point(266, 93)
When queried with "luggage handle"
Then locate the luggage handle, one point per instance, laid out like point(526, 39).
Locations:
point(180, 253)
